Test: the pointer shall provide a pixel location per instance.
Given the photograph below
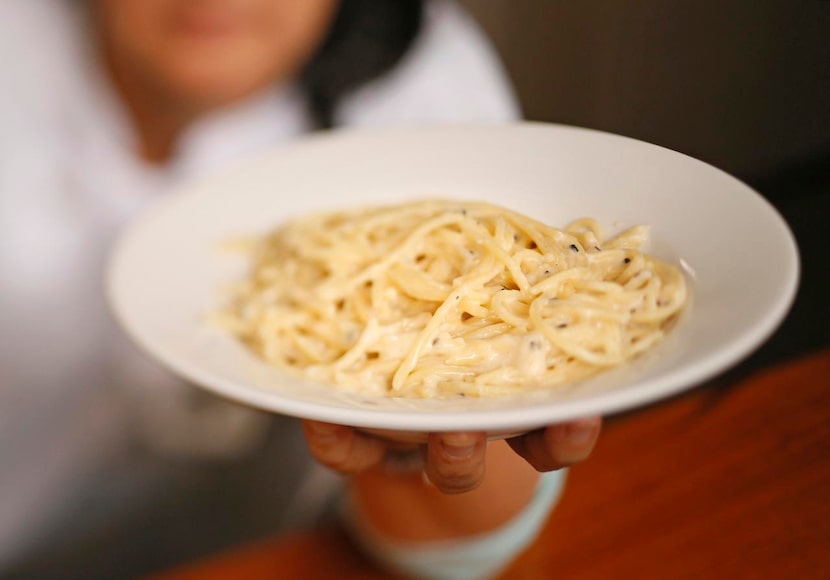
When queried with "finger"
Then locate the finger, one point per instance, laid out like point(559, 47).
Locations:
point(342, 448)
point(558, 446)
point(455, 461)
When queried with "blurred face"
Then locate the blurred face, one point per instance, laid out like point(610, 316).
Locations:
point(207, 53)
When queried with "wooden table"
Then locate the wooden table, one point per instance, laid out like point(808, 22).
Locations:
point(728, 481)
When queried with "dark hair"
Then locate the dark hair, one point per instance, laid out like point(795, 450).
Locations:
point(367, 38)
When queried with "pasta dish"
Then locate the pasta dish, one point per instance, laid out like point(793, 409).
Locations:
point(444, 298)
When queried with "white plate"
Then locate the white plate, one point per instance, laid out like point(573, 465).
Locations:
point(740, 256)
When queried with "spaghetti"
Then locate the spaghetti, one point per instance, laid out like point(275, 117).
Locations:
point(443, 298)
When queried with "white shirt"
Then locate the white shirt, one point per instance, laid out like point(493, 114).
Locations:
point(73, 392)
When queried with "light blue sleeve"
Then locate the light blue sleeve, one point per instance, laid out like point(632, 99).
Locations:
point(477, 557)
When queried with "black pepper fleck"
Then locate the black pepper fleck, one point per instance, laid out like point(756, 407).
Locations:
point(574, 248)
point(627, 261)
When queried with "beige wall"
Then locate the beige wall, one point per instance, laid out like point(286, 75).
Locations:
point(744, 84)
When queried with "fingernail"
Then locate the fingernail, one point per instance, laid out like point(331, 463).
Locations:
point(425, 479)
point(581, 432)
point(458, 445)
point(325, 432)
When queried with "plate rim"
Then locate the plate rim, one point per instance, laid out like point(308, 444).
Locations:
point(605, 403)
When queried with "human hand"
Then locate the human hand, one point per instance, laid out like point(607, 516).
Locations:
point(453, 461)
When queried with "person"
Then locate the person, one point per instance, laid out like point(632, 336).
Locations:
point(107, 105)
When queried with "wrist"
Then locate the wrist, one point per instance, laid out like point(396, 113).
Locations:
point(403, 505)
